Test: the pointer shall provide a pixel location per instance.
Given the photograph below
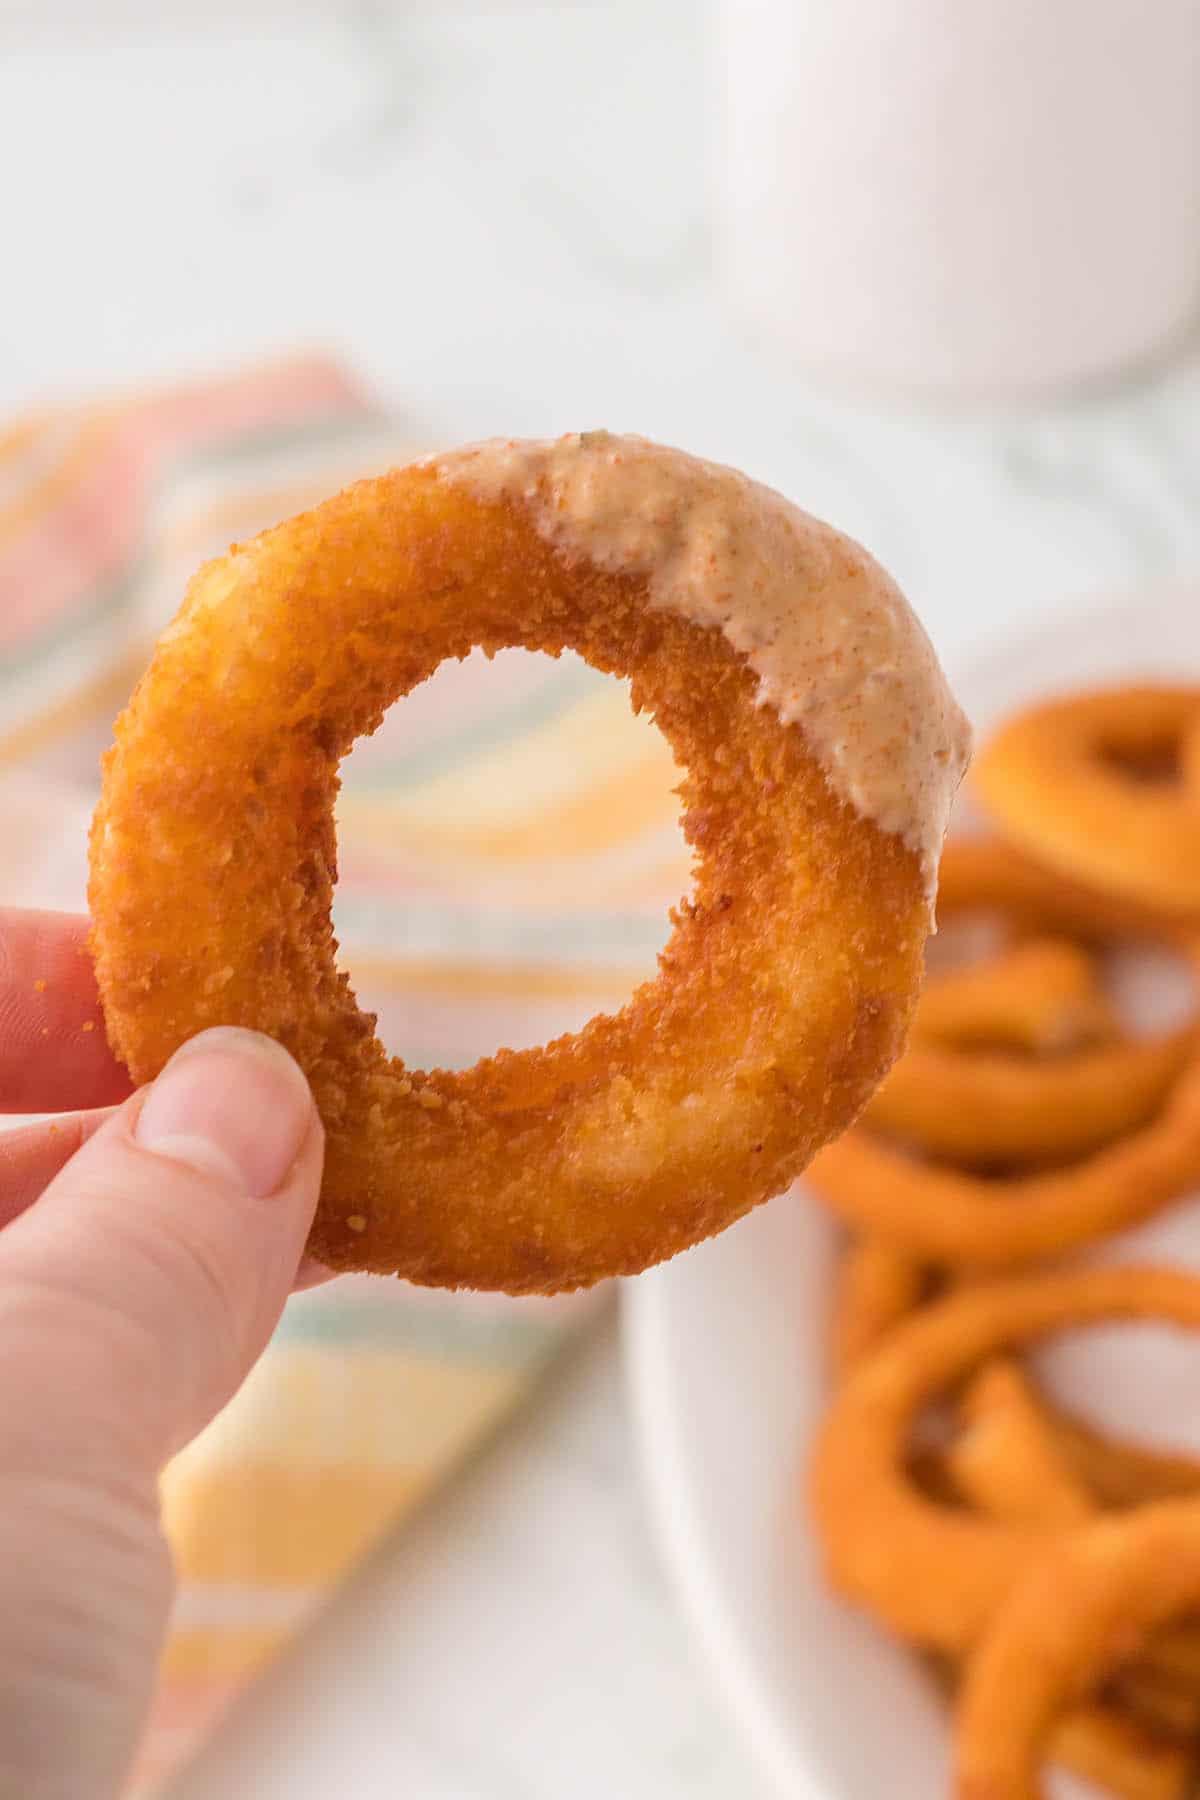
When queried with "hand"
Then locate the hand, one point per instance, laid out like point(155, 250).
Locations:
point(147, 1244)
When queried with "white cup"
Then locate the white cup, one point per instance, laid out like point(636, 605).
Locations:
point(961, 197)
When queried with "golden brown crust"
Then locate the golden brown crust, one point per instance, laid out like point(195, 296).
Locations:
point(783, 995)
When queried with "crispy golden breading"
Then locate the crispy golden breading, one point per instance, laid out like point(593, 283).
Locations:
point(782, 998)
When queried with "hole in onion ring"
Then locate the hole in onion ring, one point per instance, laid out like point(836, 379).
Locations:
point(1151, 986)
point(489, 892)
point(1156, 765)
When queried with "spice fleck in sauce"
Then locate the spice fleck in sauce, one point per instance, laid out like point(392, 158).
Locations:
point(836, 647)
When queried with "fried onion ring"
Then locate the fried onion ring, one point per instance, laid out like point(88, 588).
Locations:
point(1006, 1461)
point(1189, 761)
point(1073, 1618)
point(1067, 780)
point(1082, 1082)
point(1106, 1745)
point(875, 1287)
point(1041, 996)
point(1009, 1463)
point(1120, 1756)
point(1121, 1473)
point(986, 875)
point(982, 1109)
point(935, 1575)
point(1129, 1111)
point(786, 988)
point(944, 1215)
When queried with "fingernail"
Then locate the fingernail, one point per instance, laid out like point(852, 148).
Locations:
point(230, 1103)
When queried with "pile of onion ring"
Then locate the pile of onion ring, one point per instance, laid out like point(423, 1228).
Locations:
point(785, 991)
point(1048, 1572)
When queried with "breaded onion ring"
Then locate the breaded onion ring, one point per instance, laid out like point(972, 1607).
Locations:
point(985, 1110)
point(1189, 761)
point(1040, 996)
point(1006, 1461)
point(932, 1574)
point(939, 1214)
point(1122, 1473)
point(1128, 1111)
point(1009, 1464)
point(1117, 1755)
point(959, 1092)
point(1066, 780)
point(821, 751)
point(985, 875)
point(875, 1287)
point(1075, 1617)
point(1107, 1746)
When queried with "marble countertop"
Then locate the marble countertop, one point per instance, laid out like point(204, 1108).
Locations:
point(497, 212)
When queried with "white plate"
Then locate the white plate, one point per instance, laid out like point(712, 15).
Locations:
point(726, 1363)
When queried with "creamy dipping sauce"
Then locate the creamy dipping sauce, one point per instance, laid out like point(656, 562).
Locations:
point(835, 646)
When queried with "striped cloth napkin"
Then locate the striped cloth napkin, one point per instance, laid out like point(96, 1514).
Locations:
point(507, 845)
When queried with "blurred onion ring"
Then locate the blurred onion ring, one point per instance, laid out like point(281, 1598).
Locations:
point(783, 994)
point(935, 1213)
point(1119, 1756)
point(1121, 1473)
point(1075, 782)
point(1082, 1082)
point(1009, 1463)
point(1074, 1618)
point(933, 1574)
point(1129, 1111)
point(982, 1110)
point(874, 1288)
point(988, 876)
point(1005, 1460)
point(1189, 762)
point(1040, 996)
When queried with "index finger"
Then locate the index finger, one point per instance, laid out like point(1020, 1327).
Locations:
point(54, 1055)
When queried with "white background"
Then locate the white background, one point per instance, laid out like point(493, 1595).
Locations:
point(498, 213)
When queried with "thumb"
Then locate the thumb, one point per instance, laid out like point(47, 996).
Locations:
point(144, 1283)
point(134, 1297)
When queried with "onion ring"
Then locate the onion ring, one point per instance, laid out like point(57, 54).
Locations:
point(1119, 1756)
point(875, 1288)
point(987, 875)
point(1041, 996)
point(1113, 1750)
point(1120, 1473)
point(934, 1575)
point(1006, 1461)
point(943, 1215)
point(993, 1111)
point(985, 1110)
point(1009, 1463)
point(786, 988)
point(1088, 1086)
point(1074, 1617)
point(1052, 778)
point(1189, 761)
